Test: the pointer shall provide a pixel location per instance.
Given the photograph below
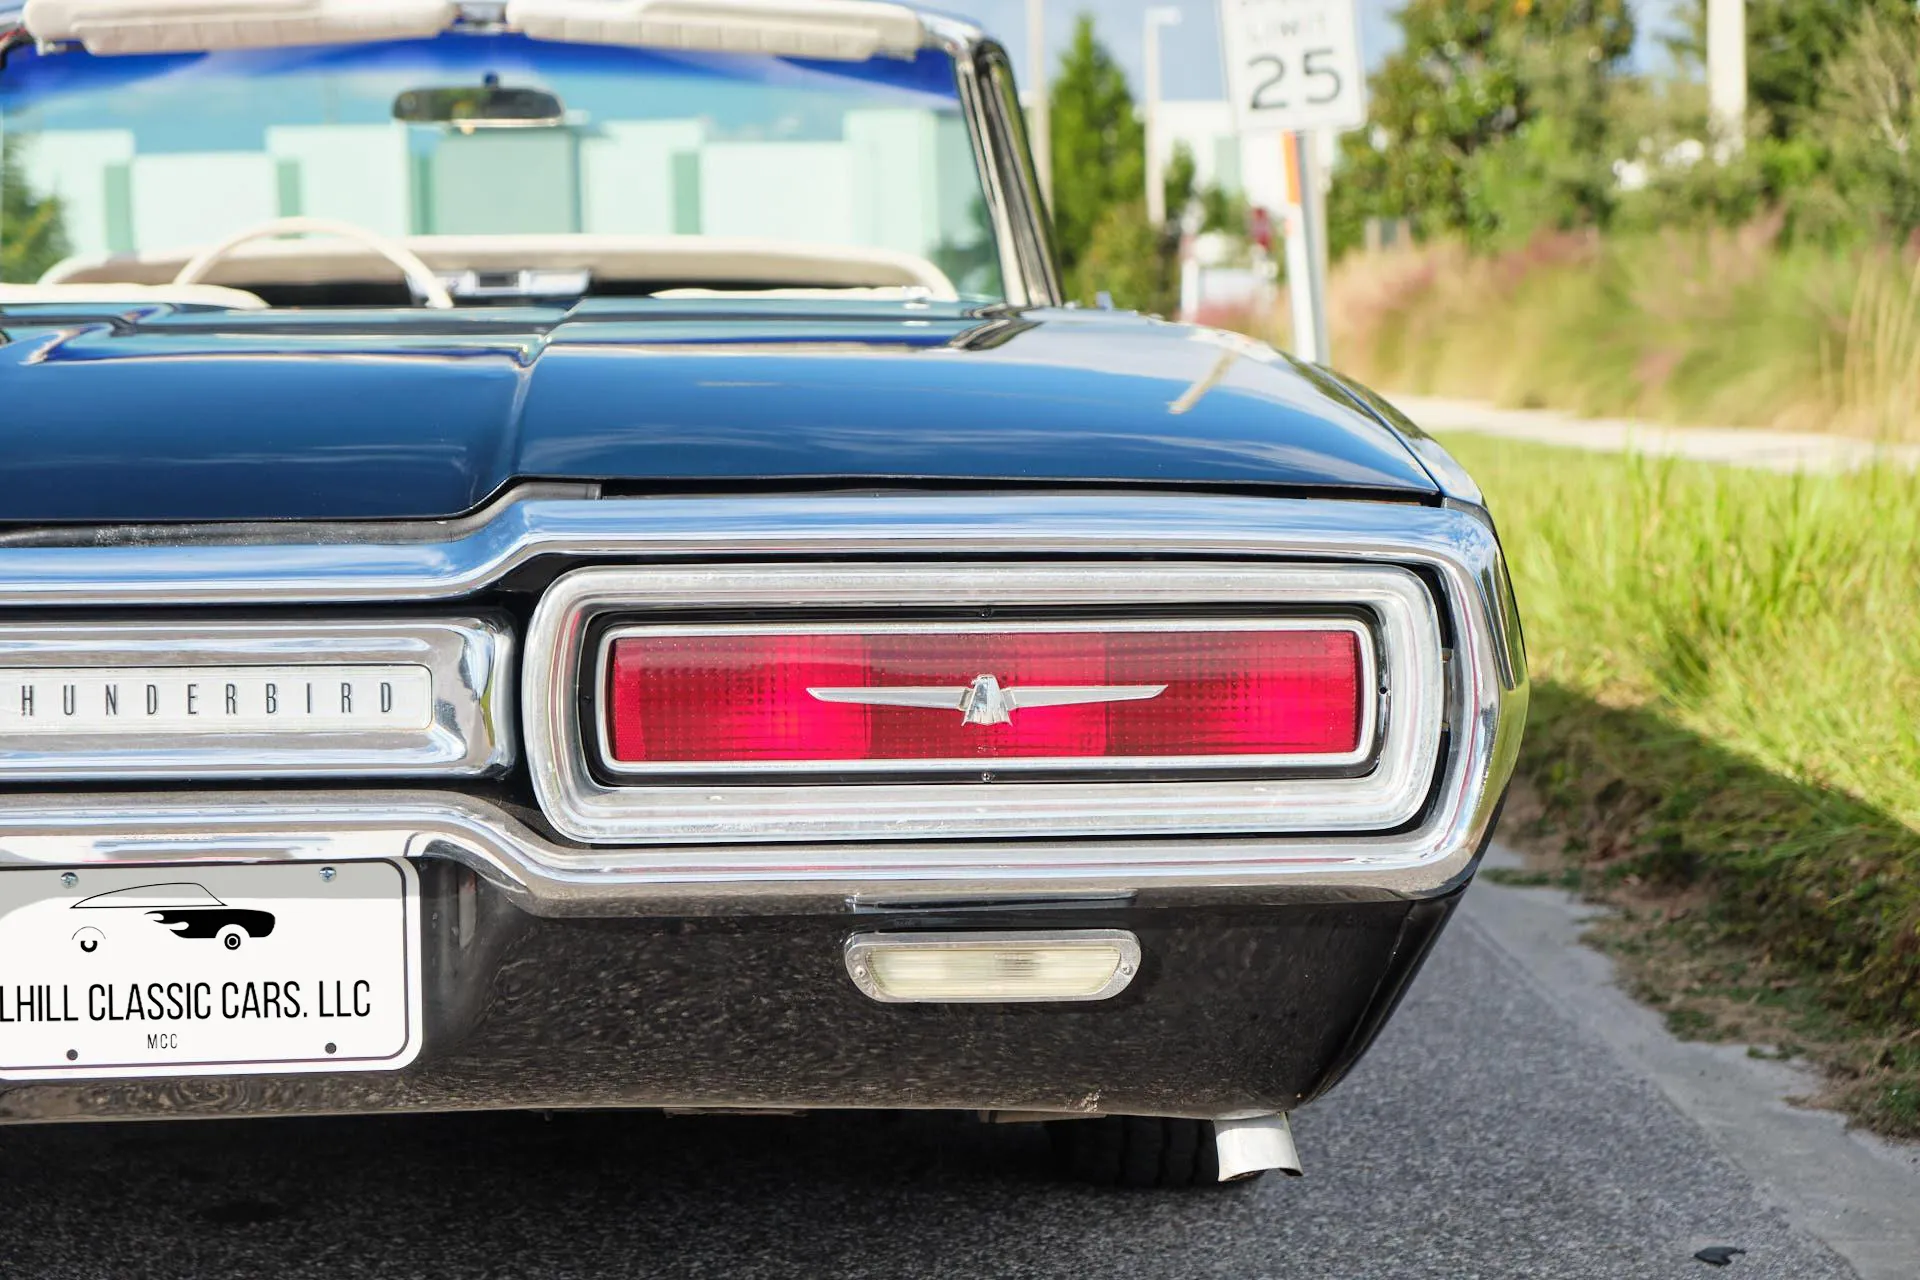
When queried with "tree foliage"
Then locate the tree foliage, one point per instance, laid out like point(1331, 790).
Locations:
point(1490, 121)
point(1833, 90)
point(1790, 44)
point(1867, 127)
point(1500, 119)
point(32, 227)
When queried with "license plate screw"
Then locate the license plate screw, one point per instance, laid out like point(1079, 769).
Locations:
point(69, 879)
point(328, 873)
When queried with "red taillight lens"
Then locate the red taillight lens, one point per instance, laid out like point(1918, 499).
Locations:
point(865, 697)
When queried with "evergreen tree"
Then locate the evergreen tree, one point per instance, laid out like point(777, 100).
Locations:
point(32, 234)
point(1181, 182)
point(1099, 146)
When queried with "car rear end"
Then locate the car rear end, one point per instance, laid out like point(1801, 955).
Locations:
point(735, 802)
point(625, 664)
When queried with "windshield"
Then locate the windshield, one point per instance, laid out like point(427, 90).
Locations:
point(559, 155)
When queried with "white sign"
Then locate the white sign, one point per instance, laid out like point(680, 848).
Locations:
point(177, 701)
point(1294, 65)
point(208, 970)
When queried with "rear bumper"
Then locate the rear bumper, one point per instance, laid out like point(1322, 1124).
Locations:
point(1236, 1009)
point(547, 878)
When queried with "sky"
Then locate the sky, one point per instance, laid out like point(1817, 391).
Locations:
point(1191, 65)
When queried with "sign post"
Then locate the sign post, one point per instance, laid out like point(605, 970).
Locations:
point(1306, 248)
point(1293, 69)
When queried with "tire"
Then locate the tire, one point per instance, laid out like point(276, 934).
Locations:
point(1137, 1151)
point(232, 936)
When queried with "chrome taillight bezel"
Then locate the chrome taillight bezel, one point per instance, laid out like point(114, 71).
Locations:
point(469, 731)
point(584, 803)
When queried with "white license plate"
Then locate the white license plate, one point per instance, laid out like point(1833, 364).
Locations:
point(209, 970)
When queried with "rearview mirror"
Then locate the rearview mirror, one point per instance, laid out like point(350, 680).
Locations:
point(485, 106)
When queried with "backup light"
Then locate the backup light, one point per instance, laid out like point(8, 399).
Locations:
point(963, 968)
point(1180, 694)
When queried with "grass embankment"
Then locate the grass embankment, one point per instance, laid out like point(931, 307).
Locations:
point(1725, 741)
point(1717, 328)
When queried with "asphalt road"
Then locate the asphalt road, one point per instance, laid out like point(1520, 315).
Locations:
point(1488, 1135)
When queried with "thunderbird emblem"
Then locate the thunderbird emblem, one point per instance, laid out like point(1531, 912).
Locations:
point(986, 701)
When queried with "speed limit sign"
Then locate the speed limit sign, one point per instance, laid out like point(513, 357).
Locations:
point(1294, 65)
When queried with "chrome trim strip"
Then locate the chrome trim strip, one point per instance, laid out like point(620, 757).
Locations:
point(470, 661)
point(1009, 181)
point(360, 562)
point(859, 950)
point(1370, 711)
point(986, 136)
point(583, 808)
point(1027, 224)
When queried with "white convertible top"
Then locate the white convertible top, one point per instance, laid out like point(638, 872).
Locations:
point(702, 260)
point(848, 30)
point(191, 295)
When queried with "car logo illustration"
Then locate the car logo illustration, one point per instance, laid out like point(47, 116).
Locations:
point(187, 909)
point(986, 701)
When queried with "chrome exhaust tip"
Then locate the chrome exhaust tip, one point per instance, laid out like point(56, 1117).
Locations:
point(1248, 1145)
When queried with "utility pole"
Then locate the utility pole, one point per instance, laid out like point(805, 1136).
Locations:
point(1040, 116)
point(1727, 70)
point(1157, 17)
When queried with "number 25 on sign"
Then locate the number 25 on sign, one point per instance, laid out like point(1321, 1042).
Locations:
point(1294, 65)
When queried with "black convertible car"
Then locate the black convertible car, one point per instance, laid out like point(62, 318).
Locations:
point(599, 506)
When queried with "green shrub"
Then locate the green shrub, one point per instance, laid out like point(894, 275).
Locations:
point(32, 226)
point(1130, 259)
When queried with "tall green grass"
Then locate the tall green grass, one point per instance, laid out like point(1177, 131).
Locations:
point(1715, 327)
point(1779, 615)
point(1728, 668)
